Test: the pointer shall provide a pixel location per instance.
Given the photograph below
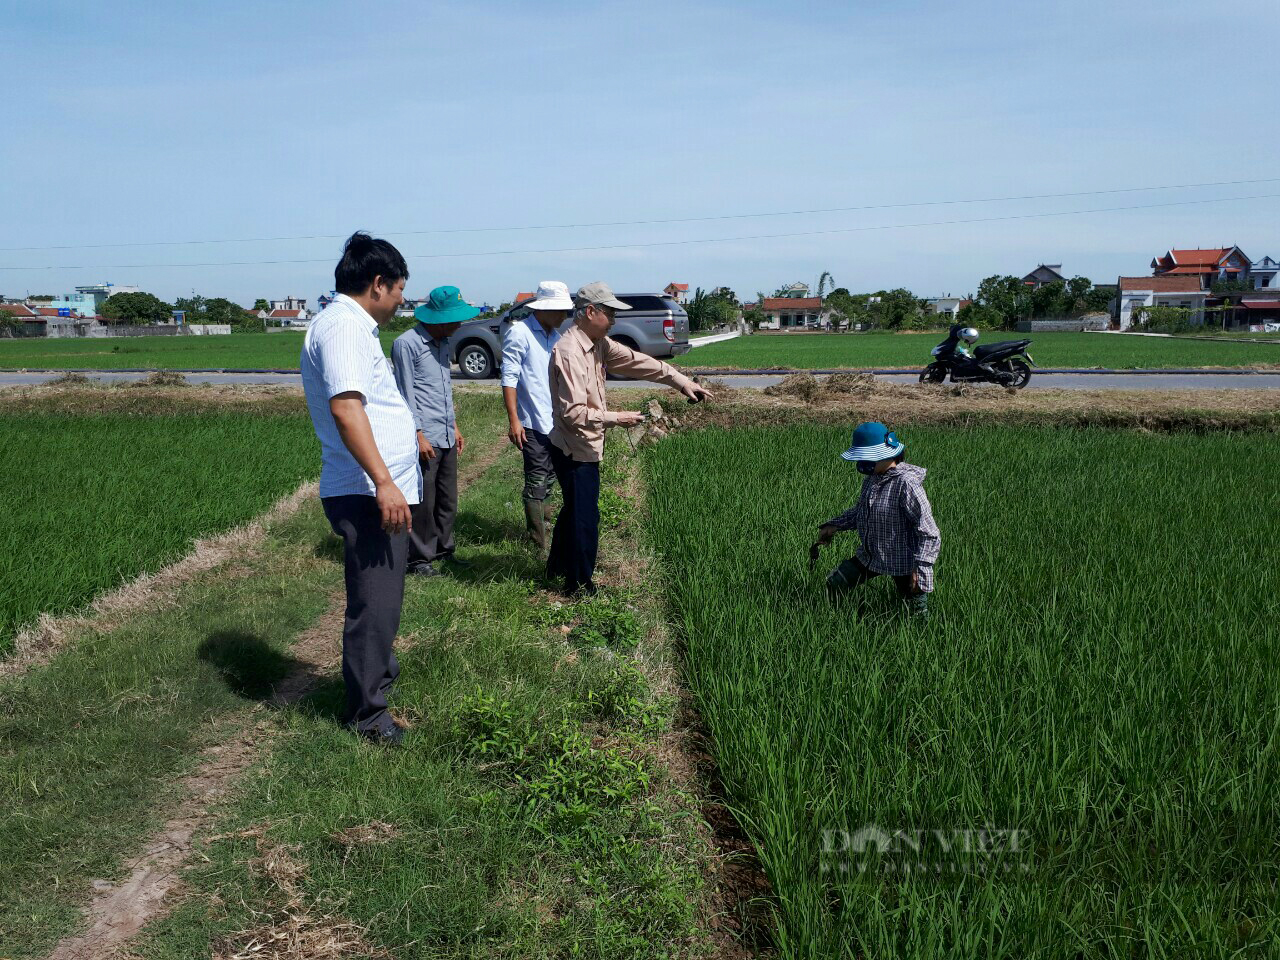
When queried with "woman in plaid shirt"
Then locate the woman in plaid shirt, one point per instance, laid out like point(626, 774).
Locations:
point(892, 516)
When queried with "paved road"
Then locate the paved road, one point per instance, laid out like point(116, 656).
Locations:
point(1069, 381)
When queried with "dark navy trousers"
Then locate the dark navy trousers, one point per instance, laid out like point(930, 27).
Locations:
point(577, 534)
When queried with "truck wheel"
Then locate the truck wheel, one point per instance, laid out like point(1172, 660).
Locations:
point(475, 361)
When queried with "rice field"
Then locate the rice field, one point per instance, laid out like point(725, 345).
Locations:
point(816, 351)
point(94, 500)
point(280, 351)
point(1076, 757)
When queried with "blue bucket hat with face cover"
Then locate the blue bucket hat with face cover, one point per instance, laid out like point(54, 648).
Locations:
point(445, 305)
point(873, 442)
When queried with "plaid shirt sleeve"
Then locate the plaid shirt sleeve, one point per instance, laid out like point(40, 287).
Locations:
point(919, 513)
point(853, 518)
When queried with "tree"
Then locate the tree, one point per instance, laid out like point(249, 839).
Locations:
point(822, 281)
point(897, 309)
point(222, 310)
point(708, 310)
point(975, 314)
point(260, 304)
point(1232, 286)
point(847, 308)
point(136, 308)
point(193, 306)
point(1049, 300)
point(1097, 299)
point(8, 323)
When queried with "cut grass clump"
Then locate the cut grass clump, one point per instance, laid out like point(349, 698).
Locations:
point(1077, 755)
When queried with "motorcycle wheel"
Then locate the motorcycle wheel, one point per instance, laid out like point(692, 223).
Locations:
point(933, 373)
point(1021, 373)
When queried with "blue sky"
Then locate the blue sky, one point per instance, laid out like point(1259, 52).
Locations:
point(137, 122)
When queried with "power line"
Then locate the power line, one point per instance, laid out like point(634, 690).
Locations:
point(663, 243)
point(640, 223)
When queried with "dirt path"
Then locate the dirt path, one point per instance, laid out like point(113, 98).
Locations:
point(119, 911)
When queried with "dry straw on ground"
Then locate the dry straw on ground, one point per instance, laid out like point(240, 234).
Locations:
point(853, 397)
point(73, 393)
point(295, 928)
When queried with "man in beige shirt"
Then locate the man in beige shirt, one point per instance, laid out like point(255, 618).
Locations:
point(580, 414)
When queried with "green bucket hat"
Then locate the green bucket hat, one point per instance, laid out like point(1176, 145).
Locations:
point(445, 305)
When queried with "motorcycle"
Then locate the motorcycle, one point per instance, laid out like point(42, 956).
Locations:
point(1008, 357)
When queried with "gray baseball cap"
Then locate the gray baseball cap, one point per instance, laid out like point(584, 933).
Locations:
point(598, 293)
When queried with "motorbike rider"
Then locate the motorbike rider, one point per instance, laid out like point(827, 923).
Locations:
point(958, 347)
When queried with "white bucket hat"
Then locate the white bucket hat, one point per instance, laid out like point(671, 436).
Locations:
point(551, 295)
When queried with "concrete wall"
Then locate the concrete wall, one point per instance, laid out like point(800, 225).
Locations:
point(208, 329)
point(148, 330)
point(1092, 321)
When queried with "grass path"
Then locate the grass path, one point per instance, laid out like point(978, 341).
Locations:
point(118, 912)
point(99, 727)
point(531, 812)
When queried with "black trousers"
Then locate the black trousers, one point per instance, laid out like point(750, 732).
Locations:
point(577, 534)
point(539, 470)
point(432, 535)
point(375, 565)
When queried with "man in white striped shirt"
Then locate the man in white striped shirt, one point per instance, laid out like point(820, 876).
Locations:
point(369, 473)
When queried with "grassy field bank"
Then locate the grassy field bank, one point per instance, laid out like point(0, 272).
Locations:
point(530, 814)
point(801, 351)
point(815, 351)
point(95, 499)
point(1098, 676)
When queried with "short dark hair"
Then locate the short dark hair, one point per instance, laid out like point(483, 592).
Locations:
point(363, 259)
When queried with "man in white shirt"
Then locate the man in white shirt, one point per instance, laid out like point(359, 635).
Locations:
point(369, 473)
point(526, 391)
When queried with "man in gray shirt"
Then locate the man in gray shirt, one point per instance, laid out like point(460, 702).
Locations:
point(420, 357)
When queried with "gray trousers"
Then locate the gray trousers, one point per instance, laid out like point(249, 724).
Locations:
point(375, 565)
point(432, 535)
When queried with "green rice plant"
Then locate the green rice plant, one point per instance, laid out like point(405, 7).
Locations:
point(1075, 757)
point(911, 350)
point(257, 351)
point(94, 500)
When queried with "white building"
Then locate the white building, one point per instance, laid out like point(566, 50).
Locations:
point(1263, 273)
point(290, 303)
point(947, 306)
point(1180, 291)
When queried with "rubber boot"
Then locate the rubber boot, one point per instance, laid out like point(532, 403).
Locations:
point(918, 607)
point(535, 522)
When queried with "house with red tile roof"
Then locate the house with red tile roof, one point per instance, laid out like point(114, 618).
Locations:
point(789, 313)
point(288, 318)
point(1208, 264)
point(521, 298)
point(679, 292)
point(1181, 290)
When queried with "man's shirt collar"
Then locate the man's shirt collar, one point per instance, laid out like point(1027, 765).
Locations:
point(360, 311)
point(583, 341)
